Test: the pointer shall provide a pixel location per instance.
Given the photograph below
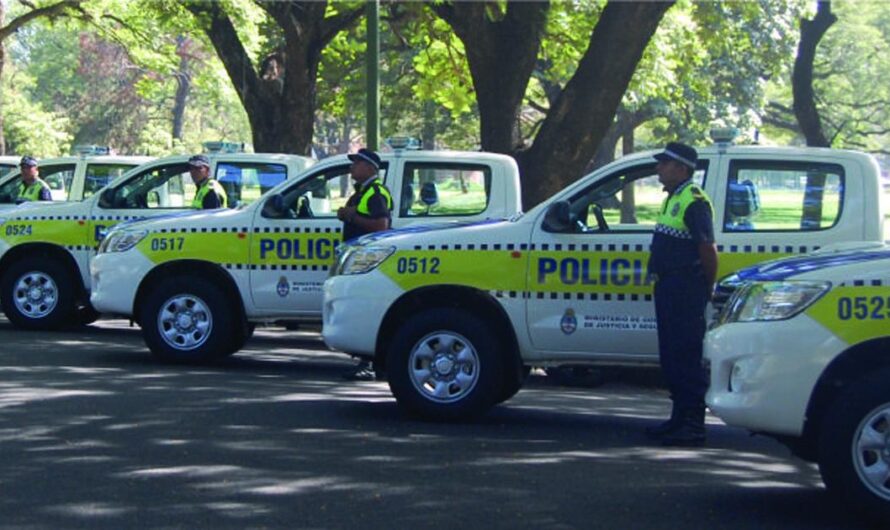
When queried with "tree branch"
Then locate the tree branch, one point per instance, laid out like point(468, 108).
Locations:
point(47, 11)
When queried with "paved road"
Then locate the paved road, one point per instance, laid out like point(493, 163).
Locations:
point(94, 433)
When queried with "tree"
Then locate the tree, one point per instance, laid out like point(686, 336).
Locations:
point(811, 32)
point(584, 109)
point(280, 108)
point(52, 10)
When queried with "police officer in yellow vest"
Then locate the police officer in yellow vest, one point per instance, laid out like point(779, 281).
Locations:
point(32, 188)
point(683, 263)
point(368, 210)
point(210, 193)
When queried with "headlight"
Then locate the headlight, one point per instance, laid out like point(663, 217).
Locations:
point(122, 240)
point(363, 259)
point(763, 301)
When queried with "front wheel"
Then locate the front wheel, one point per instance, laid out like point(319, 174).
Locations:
point(187, 319)
point(38, 293)
point(445, 364)
point(854, 447)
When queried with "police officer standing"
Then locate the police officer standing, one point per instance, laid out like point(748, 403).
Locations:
point(683, 263)
point(32, 187)
point(210, 193)
point(368, 210)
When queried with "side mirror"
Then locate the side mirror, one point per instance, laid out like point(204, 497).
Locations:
point(106, 198)
point(274, 207)
point(559, 218)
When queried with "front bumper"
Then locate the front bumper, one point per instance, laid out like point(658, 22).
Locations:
point(115, 280)
point(353, 311)
point(763, 373)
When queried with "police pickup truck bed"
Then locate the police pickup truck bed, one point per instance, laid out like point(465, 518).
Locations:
point(197, 284)
point(455, 314)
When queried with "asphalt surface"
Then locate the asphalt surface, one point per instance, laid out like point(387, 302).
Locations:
point(95, 434)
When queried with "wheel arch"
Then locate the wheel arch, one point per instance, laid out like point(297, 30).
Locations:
point(49, 250)
point(856, 362)
point(170, 269)
point(480, 303)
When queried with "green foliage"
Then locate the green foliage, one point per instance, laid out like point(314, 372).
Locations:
point(28, 127)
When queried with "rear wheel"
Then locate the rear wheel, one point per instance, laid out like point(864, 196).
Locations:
point(854, 446)
point(445, 364)
point(38, 293)
point(188, 319)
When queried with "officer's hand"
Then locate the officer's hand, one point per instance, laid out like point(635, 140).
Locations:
point(346, 213)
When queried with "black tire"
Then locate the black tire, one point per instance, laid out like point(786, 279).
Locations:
point(53, 304)
point(208, 330)
point(241, 338)
point(844, 456)
point(86, 314)
point(515, 375)
point(469, 380)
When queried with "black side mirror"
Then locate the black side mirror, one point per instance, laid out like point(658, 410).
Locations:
point(274, 207)
point(559, 218)
point(106, 198)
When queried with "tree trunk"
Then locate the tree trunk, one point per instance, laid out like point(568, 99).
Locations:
point(501, 53)
point(628, 199)
point(184, 85)
point(811, 32)
point(281, 115)
point(586, 108)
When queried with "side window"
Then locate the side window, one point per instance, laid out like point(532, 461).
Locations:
point(158, 187)
point(430, 189)
point(244, 182)
point(629, 200)
point(783, 196)
point(9, 190)
point(6, 170)
point(317, 197)
point(99, 175)
point(58, 178)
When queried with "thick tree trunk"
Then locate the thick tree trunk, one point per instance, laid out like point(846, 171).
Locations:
point(586, 108)
point(501, 53)
point(281, 115)
point(811, 32)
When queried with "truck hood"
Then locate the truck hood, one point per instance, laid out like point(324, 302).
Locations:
point(782, 269)
point(203, 218)
point(410, 234)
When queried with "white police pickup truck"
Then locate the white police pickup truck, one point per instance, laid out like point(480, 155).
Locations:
point(71, 178)
point(198, 284)
point(45, 249)
point(453, 315)
point(800, 352)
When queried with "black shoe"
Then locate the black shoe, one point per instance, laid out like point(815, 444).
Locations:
point(690, 432)
point(665, 427)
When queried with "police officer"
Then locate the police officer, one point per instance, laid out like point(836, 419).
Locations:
point(210, 193)
point(368, 210)
point(32, 187)
point(683, 263)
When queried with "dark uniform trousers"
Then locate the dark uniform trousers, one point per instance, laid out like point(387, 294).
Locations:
point(680, 302)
